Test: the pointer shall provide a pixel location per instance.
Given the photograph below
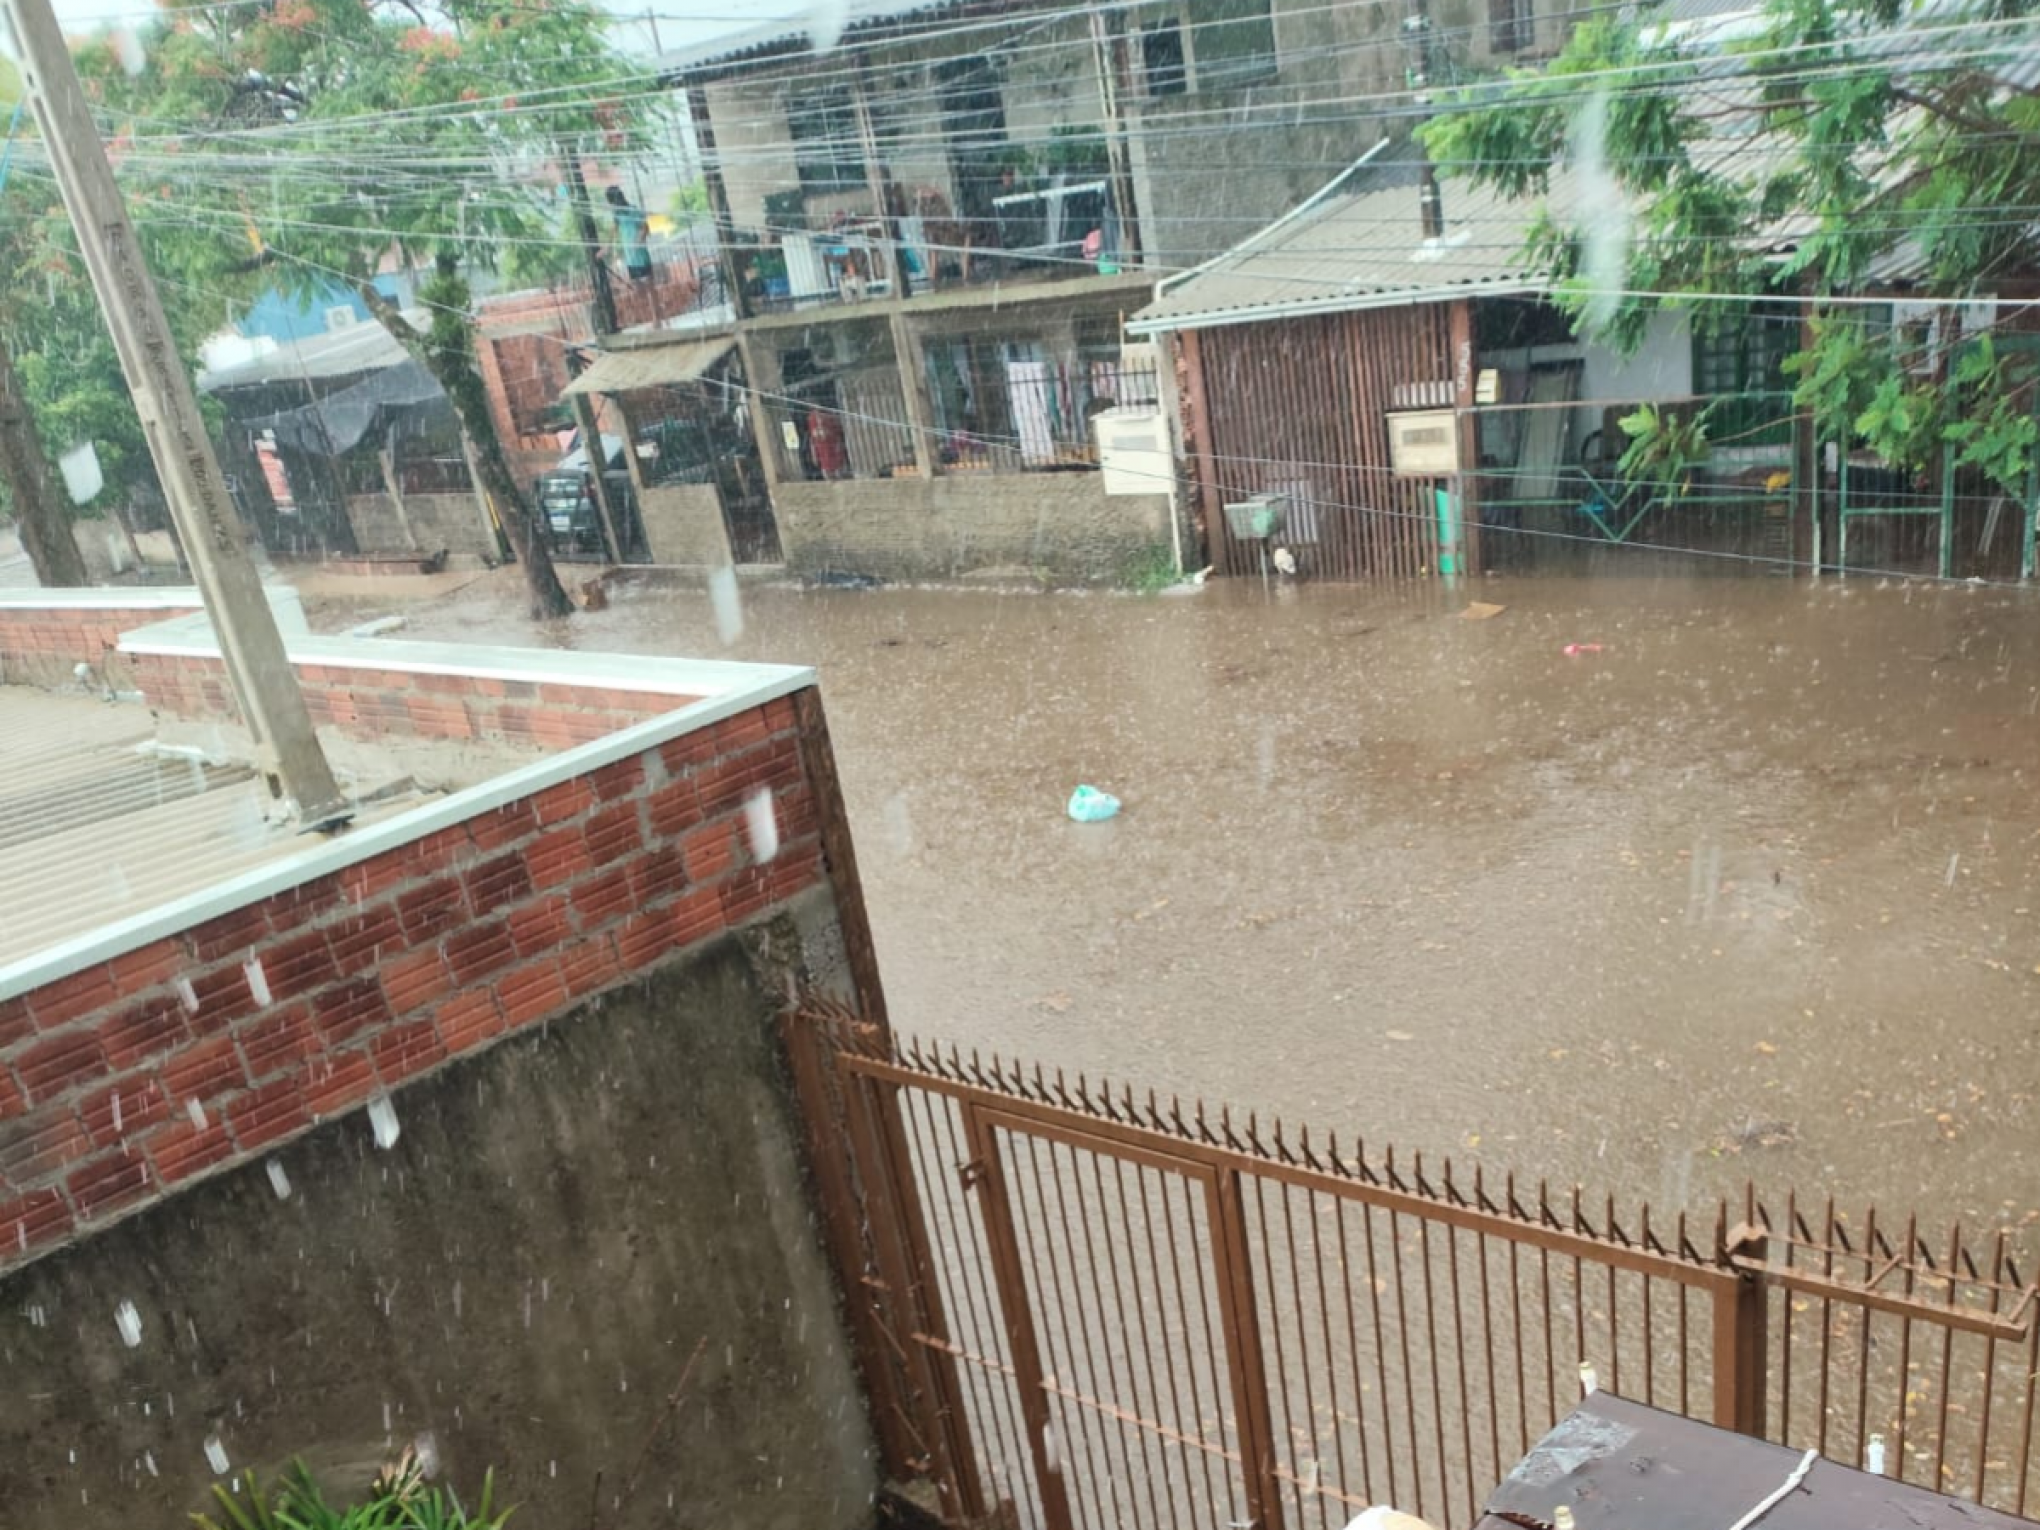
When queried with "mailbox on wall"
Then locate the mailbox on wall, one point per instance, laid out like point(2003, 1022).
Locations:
point(1423, 444)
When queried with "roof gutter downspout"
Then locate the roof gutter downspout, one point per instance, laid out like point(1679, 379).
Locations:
point(1168, 283)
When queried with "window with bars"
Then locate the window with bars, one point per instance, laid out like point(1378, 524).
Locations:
point(1741, 367)
point(827, 151)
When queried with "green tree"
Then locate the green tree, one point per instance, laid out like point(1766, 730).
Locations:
point(350, 138)
point(1798, 159)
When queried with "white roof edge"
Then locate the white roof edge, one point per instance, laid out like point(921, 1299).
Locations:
point(103, 598)
point(1261, 313)
point(192, 636)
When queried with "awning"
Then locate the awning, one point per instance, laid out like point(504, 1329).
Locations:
point(656, 366)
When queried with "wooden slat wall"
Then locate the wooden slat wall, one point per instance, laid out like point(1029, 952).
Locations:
point(1305, 399)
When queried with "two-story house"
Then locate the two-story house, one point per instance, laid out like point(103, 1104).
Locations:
point(936, 224)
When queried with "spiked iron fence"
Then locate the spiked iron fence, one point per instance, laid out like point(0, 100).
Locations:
point(1077, 1307)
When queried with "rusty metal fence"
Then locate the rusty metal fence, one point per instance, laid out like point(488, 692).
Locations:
point(1079, 1307)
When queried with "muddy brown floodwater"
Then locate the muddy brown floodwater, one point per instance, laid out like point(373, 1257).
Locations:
point(1749, 891)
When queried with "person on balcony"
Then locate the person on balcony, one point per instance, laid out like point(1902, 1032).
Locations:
point(632, 236)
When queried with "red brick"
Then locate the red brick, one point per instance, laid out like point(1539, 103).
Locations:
point(148, 1029)
point(506, 825)
point(745, 894)
point(540, 926)
point(404, 1050)
point(688, 751)
point(618, 779)
point(264, 1115)
point(123, 1108)
point(58, 1063)
point(698, 915)
point(13, 1101)
point(278, 1042)
point(36, 1219)
point(558, 856)
point(336, 1082)
point(229, 933)
point(468, 1019)
point(674, 809)
point(70, 998)
point(496, 883)
point(795, 870)
point(604, 897)
point(643, 938)
point(301, 964)
point(710, 851)
point(614, 834)
point(430, 911)
point(556, 804)
point(531, 993)
point(347, 1009)
point(223, 997)
point(298, 906)
point(658, 874)
point(15, 1024)
point(414, 981)
point(205, 1071)
point(742, 730)
point(138, 971)
point(724, 787)
point(475, 952)
point(779, 715)
point(106, 1184)
point(589, 964)
point(35, 1147)
point(184, 1148)
point(361, 941)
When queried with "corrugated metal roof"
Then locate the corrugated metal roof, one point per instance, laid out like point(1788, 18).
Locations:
point(345, 352)
point(1363, 249)
point(784, 34)
point(649, 367)
point(93, 829)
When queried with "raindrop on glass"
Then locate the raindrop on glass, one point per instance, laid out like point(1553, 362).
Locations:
point(258, 980)
point(278, 1180)
point(382, 1120)
point(216, 1455)
point(187, 995)
point(761, 822)
point(729, 606)
point(196, 1111)
point(129, 1322)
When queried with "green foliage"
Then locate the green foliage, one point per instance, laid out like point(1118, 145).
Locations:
point(398, 1499)
point(1665, 447)
point(1796, 163)
point(1150, 571)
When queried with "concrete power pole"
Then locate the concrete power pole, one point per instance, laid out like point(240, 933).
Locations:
point(287, 751)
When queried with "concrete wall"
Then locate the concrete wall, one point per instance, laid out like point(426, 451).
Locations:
point(449, 521)
point(520, 1278)
point(684, 524)
point(1059, 524)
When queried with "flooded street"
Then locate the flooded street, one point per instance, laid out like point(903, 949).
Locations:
point(1749, 891)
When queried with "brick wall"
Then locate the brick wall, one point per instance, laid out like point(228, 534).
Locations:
point(410, 704)
point(136, 1075)
point(42, 645)
point(1063, 524)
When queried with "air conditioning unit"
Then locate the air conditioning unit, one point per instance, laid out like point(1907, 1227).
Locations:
point(1423, 444)
point(1133, 451)
point(340, 318)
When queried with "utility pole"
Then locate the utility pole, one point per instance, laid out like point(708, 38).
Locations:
point(605, 325)
point(287, 751)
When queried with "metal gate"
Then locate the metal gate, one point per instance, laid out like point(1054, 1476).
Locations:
point(1076, 1307)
